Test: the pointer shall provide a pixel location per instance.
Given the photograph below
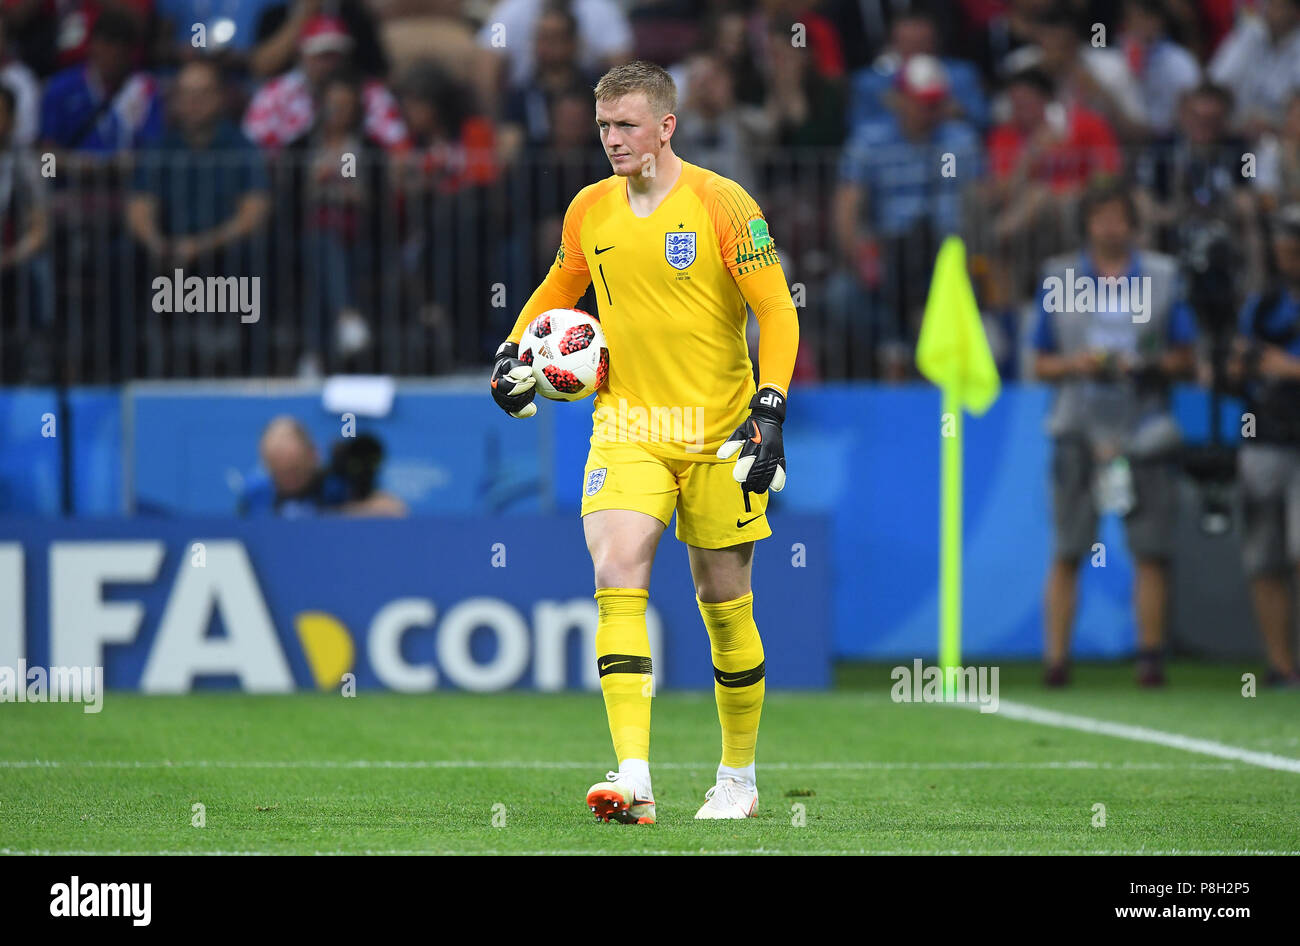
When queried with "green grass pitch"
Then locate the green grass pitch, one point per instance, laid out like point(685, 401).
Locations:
point(458, 773)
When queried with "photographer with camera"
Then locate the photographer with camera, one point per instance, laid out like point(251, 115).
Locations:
point(1265, 363)
point(1113, 330)
point(295, 485)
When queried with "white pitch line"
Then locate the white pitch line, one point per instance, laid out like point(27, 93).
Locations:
point(606, 853)
point(499, 764)
point(1034, 714)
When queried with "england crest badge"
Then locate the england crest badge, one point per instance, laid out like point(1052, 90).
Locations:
point(679, 249)
point(595, 480)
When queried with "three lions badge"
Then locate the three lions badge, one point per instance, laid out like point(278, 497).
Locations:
point(679, 249)
point(595, 480)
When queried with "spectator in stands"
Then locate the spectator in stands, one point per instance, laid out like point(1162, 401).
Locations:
point(1112, 331)
point(343, 208)
point(804, 109)
point(452, 147)
point(1195, 177)
point(1163, 69)
point(728, 33)
point(198, 203)
point(103, 107)
point(1278, 179)
point(282, 27)
point(1042, 157)
point(1090, 77)
point(812, 29)
point(1259, 62)
point(415, 30)
point(285, 107)
point(714, 130)
point(987, 34)
point(24, 228)
point(508, 47)
point(525, 114)
point(203, 189)
point(894, 206)
point(1045, 142)
point(55, 34)
point(1267, 362)
point(293, 484)
point(26, 90)
point(1201, 25)
point(863, 29)
point(915, 34)
point(442, 183)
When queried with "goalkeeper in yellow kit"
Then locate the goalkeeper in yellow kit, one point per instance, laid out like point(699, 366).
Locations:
point(675, 252)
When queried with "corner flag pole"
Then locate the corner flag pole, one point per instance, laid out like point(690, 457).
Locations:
point(953, 352)
point(950, 487)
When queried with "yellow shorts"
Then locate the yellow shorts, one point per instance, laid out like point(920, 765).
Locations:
point(713, 512)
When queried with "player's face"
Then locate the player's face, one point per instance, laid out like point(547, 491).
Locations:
point(630, 131)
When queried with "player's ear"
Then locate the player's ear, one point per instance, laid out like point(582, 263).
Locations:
point(667, 126)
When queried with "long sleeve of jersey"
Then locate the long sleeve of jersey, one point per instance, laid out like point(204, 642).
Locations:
point(768, 295)
point(750, 254)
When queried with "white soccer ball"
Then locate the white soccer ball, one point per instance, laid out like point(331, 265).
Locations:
point(566, 349)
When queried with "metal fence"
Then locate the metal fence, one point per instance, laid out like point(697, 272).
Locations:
point(413, 267)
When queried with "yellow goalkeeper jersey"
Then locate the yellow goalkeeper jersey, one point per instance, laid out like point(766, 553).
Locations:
point(671, 290)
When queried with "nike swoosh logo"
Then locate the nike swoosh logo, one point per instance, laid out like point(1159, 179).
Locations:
point(758, 434)
point(605, 250)
point(732, 679)
point(741, 525)
point(614, 663)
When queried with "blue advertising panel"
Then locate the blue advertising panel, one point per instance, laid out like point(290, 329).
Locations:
point(32, 432)
point(414, 605)
point(864, 457)
point(446, 453)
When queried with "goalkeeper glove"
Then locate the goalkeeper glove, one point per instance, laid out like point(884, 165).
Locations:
point(513, 383)
point(758, 439)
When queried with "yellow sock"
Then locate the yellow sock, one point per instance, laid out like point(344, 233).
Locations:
point(626, 677)
point(738, 675)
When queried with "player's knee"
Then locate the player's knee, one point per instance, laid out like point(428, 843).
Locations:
point(620, 569)
point(716, 589)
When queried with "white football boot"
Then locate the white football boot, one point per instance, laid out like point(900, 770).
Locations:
point(621, 799)
point(729, 798)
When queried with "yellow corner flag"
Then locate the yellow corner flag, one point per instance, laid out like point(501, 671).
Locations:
point(953, 352)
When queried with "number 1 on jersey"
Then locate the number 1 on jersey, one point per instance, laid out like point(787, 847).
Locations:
point(601, 267)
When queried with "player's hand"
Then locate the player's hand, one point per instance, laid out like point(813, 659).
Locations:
point(513, 383)
point(762, 454)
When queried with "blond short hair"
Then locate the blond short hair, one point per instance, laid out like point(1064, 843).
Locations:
point(639, 76)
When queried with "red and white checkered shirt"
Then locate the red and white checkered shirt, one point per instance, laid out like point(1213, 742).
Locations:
point(282, 109)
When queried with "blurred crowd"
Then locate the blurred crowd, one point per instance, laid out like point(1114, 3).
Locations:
point(394, 172)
